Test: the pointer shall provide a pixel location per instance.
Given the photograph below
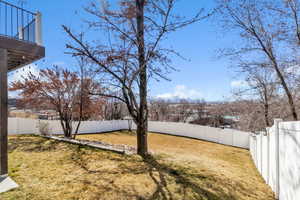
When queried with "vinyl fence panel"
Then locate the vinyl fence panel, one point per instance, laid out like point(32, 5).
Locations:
point(223, 136)
point(283, 176)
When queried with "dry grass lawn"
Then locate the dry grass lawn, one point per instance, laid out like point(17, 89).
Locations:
point(181, 169)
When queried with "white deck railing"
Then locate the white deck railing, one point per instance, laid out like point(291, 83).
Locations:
point(20, 24)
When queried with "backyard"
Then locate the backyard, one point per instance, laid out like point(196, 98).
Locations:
point(209, 88)
point(180, 168)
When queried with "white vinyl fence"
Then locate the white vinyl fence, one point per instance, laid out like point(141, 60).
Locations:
point(223, 136)
point(276, 154)
point(32, 126)
point(88, 126)
point(22, 126)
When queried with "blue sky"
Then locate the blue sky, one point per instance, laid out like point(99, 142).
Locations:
point(203, 76)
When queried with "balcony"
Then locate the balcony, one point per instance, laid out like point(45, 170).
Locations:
point(20, 35)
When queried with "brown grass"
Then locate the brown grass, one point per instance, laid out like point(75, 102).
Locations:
point(181, 169)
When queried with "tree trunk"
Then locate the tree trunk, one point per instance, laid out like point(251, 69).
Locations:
point(142, 126)
point(81, 102)
point(63, 124)
point(77, 128)
point(142, 139)
point(270, 54)
point(266, 105)
point(266, 108)
point(287, 92)
point(68, 129)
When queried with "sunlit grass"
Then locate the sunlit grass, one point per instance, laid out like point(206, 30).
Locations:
point(46, 169)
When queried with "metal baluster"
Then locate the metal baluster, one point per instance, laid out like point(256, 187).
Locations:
point(0, 17)
point(5, 19)
point(17, 22)
point(11, 20)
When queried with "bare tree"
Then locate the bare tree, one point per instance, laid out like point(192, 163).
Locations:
point(84, 111)
point(82, 93)
point(294, 12)
point(58, 88)
point(289, 21)
point(132, 53)
point(114, 109)
point(200, 109)
point(159, 110)
point(250, 115)
point(261, 86)
point(184, 110)
point(262, 37)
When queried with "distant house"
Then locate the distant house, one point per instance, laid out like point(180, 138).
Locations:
point(28, 113)
point(48, 114)
point(23, 114)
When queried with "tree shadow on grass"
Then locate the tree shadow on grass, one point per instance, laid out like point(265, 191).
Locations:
point(171, 181)
point(163, 175)
point(31, 143)
point(188, 187)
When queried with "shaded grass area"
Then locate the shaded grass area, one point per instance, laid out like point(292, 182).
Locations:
point(47, 169)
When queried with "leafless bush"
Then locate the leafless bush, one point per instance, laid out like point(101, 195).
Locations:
point(44, 128)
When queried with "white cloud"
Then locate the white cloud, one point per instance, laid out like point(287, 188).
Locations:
point(181, 92)
point(59, 63)
point(238, 84)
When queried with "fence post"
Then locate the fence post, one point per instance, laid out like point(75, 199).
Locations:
point(256, 155)
point(21, 33)
point(18, 131)
point(276, 126)
point(261, 153)
point(268, 155)
point(3, 113)
point(38, 29)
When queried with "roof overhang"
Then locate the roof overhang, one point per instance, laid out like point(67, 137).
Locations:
point(21, 53)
